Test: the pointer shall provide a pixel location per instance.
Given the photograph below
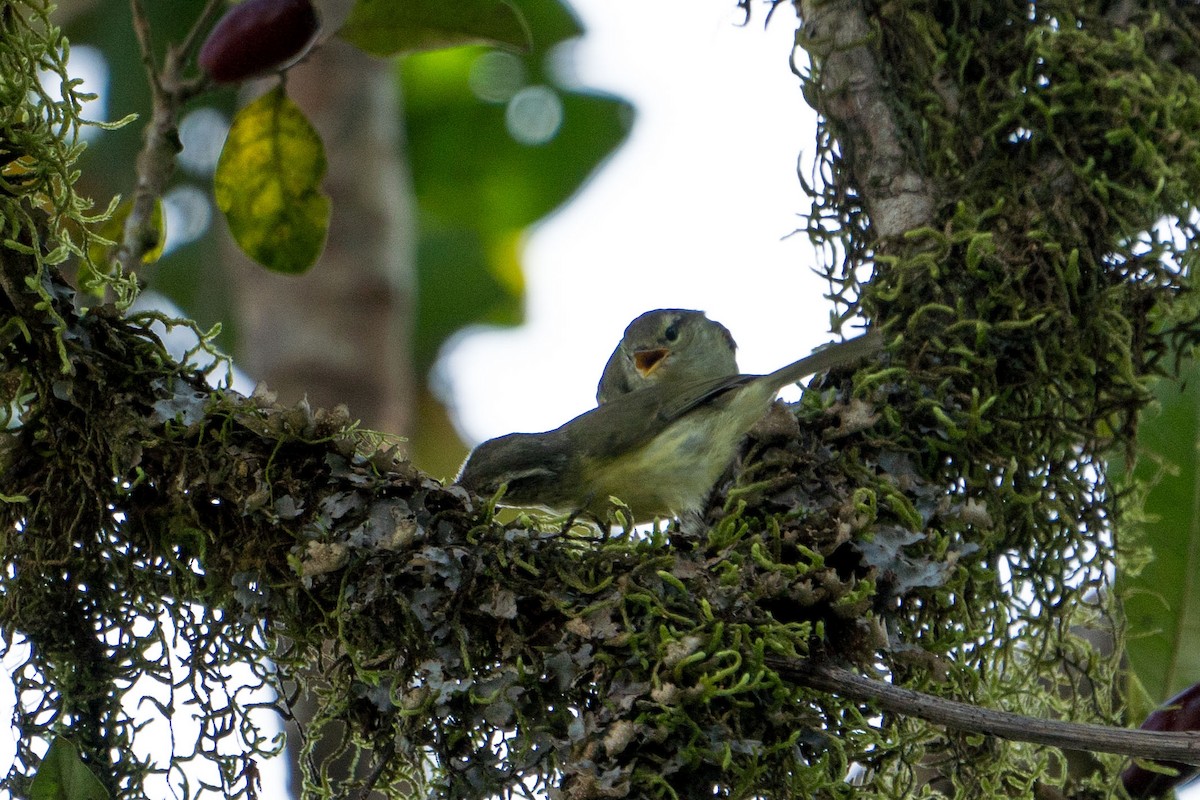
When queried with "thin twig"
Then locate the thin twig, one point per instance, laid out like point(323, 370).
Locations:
point(1182, 747)
point(191, 41)
point(177, 57)
point(141, 28)
point(169, 90)
point(155, 162)
point(376, 773)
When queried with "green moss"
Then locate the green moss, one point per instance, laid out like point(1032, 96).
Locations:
point(943, 514)
point(1033, 308)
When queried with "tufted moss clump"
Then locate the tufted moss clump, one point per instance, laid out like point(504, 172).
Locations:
point(1059, 145)
point(616, 665)
point(117, 566)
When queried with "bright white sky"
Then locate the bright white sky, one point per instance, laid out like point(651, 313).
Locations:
point(691, 213)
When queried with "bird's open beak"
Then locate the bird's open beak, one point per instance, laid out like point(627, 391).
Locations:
point(647, 361)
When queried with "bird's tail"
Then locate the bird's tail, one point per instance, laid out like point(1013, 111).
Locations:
point(839, 354)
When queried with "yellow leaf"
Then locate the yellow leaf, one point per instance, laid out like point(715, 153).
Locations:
point(267, 184)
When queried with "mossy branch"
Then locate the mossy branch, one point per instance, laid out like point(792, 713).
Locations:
point(838, 35)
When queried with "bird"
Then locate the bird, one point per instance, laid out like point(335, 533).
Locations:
point(659, 449)
point(665, 345)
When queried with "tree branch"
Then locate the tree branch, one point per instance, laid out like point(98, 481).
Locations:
point(169, 90)
point(837, 35)
point(1181, 747)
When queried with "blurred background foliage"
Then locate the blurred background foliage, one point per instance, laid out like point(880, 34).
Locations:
point(494, 141)
point(1161, 593)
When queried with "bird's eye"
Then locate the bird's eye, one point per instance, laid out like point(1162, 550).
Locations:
point(672, 332)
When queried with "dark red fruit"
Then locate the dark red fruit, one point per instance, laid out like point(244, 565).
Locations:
point(258, 36)
point(1180, 713)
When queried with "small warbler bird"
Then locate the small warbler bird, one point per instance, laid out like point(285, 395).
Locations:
point(670, 344)
point(659, 449)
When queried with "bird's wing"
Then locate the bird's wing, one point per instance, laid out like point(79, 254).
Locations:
point(627, 422)
point(697, 393)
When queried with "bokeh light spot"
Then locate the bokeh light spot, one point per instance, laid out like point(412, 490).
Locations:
point(534, 115)
point(202, 133)
point(188, 215)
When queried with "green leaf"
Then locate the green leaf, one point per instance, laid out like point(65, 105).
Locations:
point(113, 229)
point(62, 775)
point(268, 184)
point(1162, 602)
point(388, 27)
